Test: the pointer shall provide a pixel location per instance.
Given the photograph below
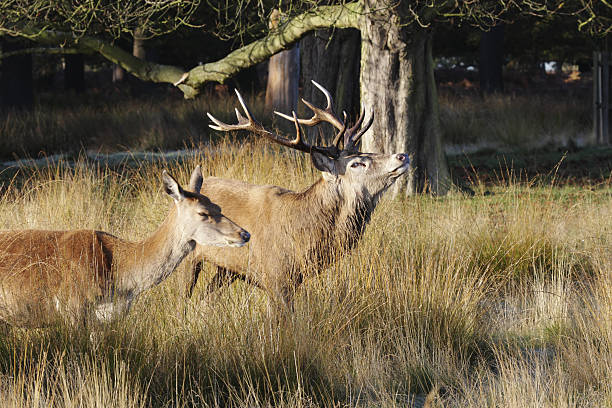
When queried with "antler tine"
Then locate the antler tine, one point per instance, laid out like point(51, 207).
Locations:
point(363, 129)
point(340, 134)
point(243, 123)
point(298, 131)
point(249, 123)
point(357, 124)
point(244, 106)
point(328, 96)
point(319, 115)
point(351, 132)
point(351, 139)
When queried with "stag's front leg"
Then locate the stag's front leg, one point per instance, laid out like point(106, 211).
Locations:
point(285, 291)
point(195, 274)
point(223, 277)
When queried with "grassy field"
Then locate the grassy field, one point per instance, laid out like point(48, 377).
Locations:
point(159, 120)
point(496, 300)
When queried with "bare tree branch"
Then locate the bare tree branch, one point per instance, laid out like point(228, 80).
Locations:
point(191, 81)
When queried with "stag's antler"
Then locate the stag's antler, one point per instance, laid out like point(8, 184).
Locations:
point(251, 124)
point(350, 137)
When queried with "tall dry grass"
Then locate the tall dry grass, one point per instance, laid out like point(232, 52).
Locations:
point(512, 122)
point(500, 300)
point(164, 121)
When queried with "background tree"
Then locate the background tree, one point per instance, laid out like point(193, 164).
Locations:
point(74, 72)
point(331, 57)
point(16, 82)
point(396, 75)
point(491, 60)
point(283, 76)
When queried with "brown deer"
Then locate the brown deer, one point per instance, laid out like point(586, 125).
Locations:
point(72, 275)
point(297, 231)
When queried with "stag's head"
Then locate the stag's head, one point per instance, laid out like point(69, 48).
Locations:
point(198, 218)
point(341, 163)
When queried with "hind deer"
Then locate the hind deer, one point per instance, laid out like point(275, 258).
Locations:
point(72, 275)
point(292, 230)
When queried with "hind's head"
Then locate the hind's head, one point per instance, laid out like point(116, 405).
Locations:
point(201, 220)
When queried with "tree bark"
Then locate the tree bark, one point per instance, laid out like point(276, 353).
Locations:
point(396, 78)
point(16, 81)
point(118, 73)
point(138, 51)
point(283, 77)
point(397, 85)
point(283, 80)
point(491, 60)
point(331, 57)
point(138, 48)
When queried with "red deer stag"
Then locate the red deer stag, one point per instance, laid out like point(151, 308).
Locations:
point(71, 275)
point(290, 229)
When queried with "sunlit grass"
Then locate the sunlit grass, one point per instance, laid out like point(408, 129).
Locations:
point(496, 300)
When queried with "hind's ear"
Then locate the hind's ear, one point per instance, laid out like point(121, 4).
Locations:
point(195, 183)
point(172, 187)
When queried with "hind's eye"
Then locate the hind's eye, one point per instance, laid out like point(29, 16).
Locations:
point(357, 164)
point(203, 215)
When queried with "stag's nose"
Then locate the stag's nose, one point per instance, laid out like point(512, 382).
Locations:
point(403, 157)
point(245, 236)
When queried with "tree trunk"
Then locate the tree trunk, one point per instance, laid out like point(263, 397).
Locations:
point(74, 72)
point(138, 49)
point(16, 81)
point(331, 57)
point(491, 60)
point(397, 84)
point(283, 79)
point(118, 73)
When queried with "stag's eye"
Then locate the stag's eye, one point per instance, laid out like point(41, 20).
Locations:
point(357, 164)
point(203, 215)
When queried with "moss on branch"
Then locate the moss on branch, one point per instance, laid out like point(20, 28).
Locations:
point(191, 81)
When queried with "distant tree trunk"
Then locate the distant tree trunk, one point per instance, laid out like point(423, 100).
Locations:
point(331, 57)
point(118, 73)
point(397, 83)
point(138, 49)
point(283, 77)
point(74, 72)
point(491, 60)
point(16, 82)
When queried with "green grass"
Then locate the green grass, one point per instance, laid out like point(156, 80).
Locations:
point(500, 300)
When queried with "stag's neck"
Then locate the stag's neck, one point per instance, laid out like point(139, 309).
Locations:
point(142, 265)
point(345, 215)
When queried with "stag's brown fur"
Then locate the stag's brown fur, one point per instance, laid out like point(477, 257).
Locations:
point(295, 232)
point(50, 275)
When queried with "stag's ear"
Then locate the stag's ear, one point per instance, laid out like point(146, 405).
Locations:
point(195, 183)
point(325, 164)
point(173, 188)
